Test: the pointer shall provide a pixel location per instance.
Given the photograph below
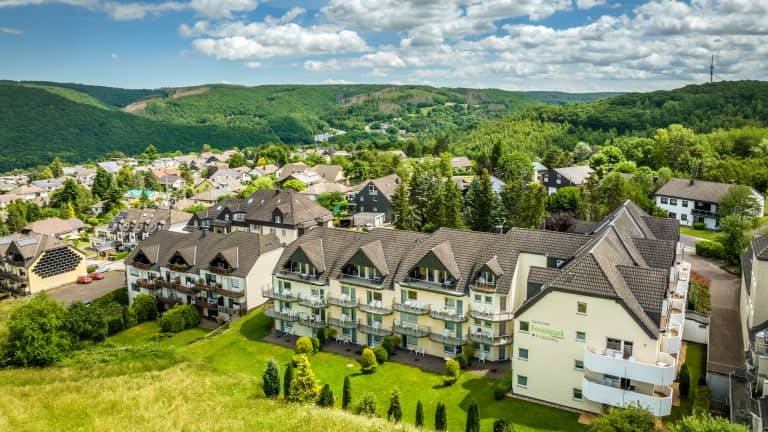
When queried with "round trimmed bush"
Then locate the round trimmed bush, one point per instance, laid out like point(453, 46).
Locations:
point(304, 345)
point(315, 344)
point(368, 361)
point(381, 354)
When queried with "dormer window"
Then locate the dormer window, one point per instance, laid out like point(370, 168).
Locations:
point(278, 218)
point(371, 189)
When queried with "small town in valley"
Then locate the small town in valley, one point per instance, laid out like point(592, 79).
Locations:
point(396, 215)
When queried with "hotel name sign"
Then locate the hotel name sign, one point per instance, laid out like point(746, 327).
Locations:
point(543, 330)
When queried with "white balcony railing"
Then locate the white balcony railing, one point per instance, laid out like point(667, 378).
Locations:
point(672, 339)
point(610, 362)
point(657, 400)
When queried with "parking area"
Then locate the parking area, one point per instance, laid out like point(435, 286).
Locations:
point(87, 293)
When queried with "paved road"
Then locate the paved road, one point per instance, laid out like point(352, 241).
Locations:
point(688, 241)
point(87, 293)
point(726, 349)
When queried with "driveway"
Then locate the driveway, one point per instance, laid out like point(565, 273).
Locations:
point(688, 241)
point(726, 349)
point(87, 293)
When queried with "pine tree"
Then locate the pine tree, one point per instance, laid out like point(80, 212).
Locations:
point(304, 387)
point(287, 380)
point(57, 168)
point(684, 380)
point(419, 415)
point(271, 378)
point(102, 184)
point(346, 396)
point(480, 204)
point(68, 211)
point(403, 212)
point(452, 198)
point(326, 397)
point(395, 412)
point(473, 417)
point(441, 421)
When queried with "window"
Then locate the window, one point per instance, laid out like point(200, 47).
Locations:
point(577, 394)
point(478, 298)
point(371, 189)
point(685, 203)
point(488, 300)
point(134, 271)
point(672, 215)
point(581, 308)
point(134, 287)
point(522, 353)
point(673, 201)
point(683, 217)
point(581, 336)
point(235, 283)
point(524, 326)
point(664, 200)
point(522, 381)
point(578, 365)
point(278, 219)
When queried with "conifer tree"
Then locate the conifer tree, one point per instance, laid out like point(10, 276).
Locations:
point(304, 386)
point(473, 418)
point(346, 396)
point(326, 397)
point(395, 412)
point(419, 415)
point(271, 378)
point(441, 421)
point(401, 206)
point(287, 380)
point(452, 198)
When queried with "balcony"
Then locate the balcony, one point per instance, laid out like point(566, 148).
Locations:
point(411, 329)
point(287, 315)
point(313, 321)
point(672, 340)
point(169, 299)
point(447, 338)
point(165, 284)
point(220, 270)
point(375, 308)
point(186, 289)
point(12, 276)
point(483, 286)
point(488, 338)
point(362, 281)
point(412, 307)
point(313, 302)
point(229, 292)
point(301, 277)
point(141, 265)
point(285, 296)
point(677, 312)
point(208, 303)
point(611, 362)
point(374, 329)
point(143, 283)
point(485, 313)
point(343, 301)
point(447, 315)
point(202, 286)
point(342, 323)
point(447, 287)
point(703, 213)
point(657, 400)
point(230, 310)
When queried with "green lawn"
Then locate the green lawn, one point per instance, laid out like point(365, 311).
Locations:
point(694, 358)
point(240, 350)
point(702, 234)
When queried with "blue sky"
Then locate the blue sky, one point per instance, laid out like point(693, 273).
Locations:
point(571, 45)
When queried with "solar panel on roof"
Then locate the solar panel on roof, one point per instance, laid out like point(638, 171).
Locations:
point(5, 240)
point(26, 241)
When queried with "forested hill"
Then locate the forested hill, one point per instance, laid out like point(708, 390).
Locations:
point(110, 96)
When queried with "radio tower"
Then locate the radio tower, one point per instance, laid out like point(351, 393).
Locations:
point(712, 69)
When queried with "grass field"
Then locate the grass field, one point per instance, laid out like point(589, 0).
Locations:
point(694, 357)
point(702, 234)
point(137, 381)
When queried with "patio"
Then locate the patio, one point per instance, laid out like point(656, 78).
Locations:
point(426, 362)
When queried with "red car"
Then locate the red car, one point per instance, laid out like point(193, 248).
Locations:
point(96, 276)
point(84, 280)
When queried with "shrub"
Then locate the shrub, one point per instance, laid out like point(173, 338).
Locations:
point(473, 417)
point(419, 415)
point(287, 380)
point(367, 405)
point(368, 361)
point(36, 333)
point(451, 372)
point(705, 422)
point(710, 249)
point(631, 418)
point(315, 344)
point(326, 397)
point(129, 317)
point(395, 412)
point(390, 343)
point(468, 352)
point(701, 400)
point(304, 345)
point(304, 386)
point(145, 307)
point(86, 322)
point(701, 226)
point(502, 425)
point(322, 337)
point(381, 354)
point(441, 420)
point(684, 381)
point(181, 317)
point(502, 387)
point(346, 395)
point(462, 360)
point(271, 378)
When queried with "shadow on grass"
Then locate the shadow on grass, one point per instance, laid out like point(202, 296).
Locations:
point(256, 325)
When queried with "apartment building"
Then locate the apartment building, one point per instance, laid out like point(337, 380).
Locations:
point(285, 213)
point(221, 274)
point(556, 178)
point(596, 319)
point(33, 262)
point(689, 200)
point(131, 226)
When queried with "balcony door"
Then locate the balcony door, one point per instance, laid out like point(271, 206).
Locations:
point(348, 293)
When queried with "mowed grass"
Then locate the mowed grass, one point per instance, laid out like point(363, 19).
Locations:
point(700, 234)
point(138, 381)
point(694, 358)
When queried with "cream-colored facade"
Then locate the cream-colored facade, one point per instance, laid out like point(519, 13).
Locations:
point(51, 267)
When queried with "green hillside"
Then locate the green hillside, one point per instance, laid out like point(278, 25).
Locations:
point(563, 98)
point(111, 96)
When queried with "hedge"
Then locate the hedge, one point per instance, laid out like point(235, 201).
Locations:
point(710, 249)
point(181, 317)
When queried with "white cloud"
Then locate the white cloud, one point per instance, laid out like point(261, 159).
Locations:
point(215, 9)
point(11, 31)
point(134, 11)
point(212, 9)
point(253, 65)
point(115, 56)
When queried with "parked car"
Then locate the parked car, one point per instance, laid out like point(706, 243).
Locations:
point(84, 280)
point(96, 276)
point(103, 269)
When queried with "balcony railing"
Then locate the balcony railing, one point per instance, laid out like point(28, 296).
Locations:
point(490, 339)
point(411, 330)
point(657, 400)
point(483, 286)
point(447, 287)
point(282, 315)
point(144, 283)
point(208, 303)
point(704, 213)
point(12, 276)
point(488, 315)
point(363, 281)
point(374, 330)
point(313, 302)
point(171, 299)
point(447, 315)
point(301, 277)
point(375, 308)
point(448, 339)
point(230, 293)
point(672, 339)
point(411, 307)
point(313, 321)
point(343, 301)
point(342, 323)
point(230, 310)
point(610, 362)
point(286, 296)
point(220, 270)
point(141, 265)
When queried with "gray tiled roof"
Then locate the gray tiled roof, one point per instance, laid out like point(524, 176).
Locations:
point(657, 253)
point(585, 227)
point(575, 174)
point(147, 220)
point(240, 249)
point(387, 185)
point(698, 190)
point(663, 228)
point(550, 243)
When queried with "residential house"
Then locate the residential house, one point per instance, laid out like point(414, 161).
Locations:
point(318, 189)
point(31, 193)
point(171, 181)
point(31, 263)
point(557, 178)
point(222, 275)
point(131, 226)
point(539, 171)
point(374, 196)
point(56, 227)
point(263, 170)
point(689, 201)
point(84, 176)
point(461, 165)
point(323, 137)
point(212, 196)
point(112, 167)
point(285, 213)
point(330, 173)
